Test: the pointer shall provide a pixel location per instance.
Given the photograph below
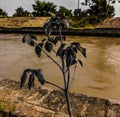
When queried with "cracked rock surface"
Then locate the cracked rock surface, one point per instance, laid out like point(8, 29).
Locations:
point(46, 102)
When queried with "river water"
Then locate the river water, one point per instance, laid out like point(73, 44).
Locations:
point(100, 75)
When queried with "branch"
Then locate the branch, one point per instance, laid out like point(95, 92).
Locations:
point(73, 76)
point(55, 85)
point(49, 56)
point(64, 73)
point(68, 79)
point(60, 35)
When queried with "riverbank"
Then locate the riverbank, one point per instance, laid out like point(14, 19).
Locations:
point(109, 27)
point(46, 102)
point(110, 32)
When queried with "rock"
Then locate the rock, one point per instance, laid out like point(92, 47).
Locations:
point(46, 102)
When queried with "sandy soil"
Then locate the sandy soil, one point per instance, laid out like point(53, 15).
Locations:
point(23, 22)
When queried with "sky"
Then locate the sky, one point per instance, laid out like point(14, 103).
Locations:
point(10, 5)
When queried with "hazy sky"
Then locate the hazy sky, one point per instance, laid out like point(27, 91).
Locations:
point(10, 5)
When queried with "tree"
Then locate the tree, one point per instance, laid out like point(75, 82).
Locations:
point(3, 13)
point(77, 12)
point(100, 8)
point(67, 53)
point(43, 8)
point(65, 11)
point(20, 12)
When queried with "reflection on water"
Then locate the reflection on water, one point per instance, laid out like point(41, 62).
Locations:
point(100, 75)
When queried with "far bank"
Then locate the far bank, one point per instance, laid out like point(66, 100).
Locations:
point(109, 27)
point(109, 32)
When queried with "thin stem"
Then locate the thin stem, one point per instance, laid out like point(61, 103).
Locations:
point(68, 79)
point(54, 85)
point(66, 83)
point(54, 51)
point(48, 56)
point(73, 76)
point(60, 35)
point(68, 103)
point(66, 89)
point(64, 74)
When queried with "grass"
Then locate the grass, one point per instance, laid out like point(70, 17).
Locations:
point(17, 22)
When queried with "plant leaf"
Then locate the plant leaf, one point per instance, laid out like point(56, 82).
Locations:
point(29, 39)
point(70, 57)
point(31, 81)
point(38, 49)
point(74, 49)
point(32, 36)
point(76, 44)
point(43, 40)
point(48, 46)
point(80, 62)
point(58, 38)
point(23, 39)
point(27, 70)
point(40, 76)
point(71, 60)
point(69, 52)
point(83, 51)
point(60, 49)
point(23, 79)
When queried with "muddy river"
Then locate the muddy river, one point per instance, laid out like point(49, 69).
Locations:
point(100, 75)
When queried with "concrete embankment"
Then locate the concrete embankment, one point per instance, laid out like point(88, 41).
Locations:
point(46, 102)
point(113, 32)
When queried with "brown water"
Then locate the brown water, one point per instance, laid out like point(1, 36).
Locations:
point(99, 77)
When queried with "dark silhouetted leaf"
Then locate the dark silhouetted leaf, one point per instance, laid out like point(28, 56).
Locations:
point(43, 40)
point(71, 60)
point(76, 44)
point(70, 56)
point(55, 41)
point(83, 51)
point(29, 39)
point(59, 38)
point(40, 76)
point(38, 49)
point(51, 40)
point(31, 81)
point(75, 49)
point(23, 79)
point(27, 70)
point(69, 52)
point(23, 39)
point(33, 37)
point(48, 46)
point(60, 49)
point(80, 62)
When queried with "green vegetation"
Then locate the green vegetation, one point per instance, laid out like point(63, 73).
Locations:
point(3, 13)
point(97, 11)
point(20, 12)
point(43, 8)
point(64, 11)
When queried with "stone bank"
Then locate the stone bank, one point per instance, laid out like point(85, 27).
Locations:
point(46, 102)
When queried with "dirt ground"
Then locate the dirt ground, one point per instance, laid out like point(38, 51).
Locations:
point(18, 22)
point(110, 23)
point(22, 22)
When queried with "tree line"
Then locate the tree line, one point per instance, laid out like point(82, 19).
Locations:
point(96, 11)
